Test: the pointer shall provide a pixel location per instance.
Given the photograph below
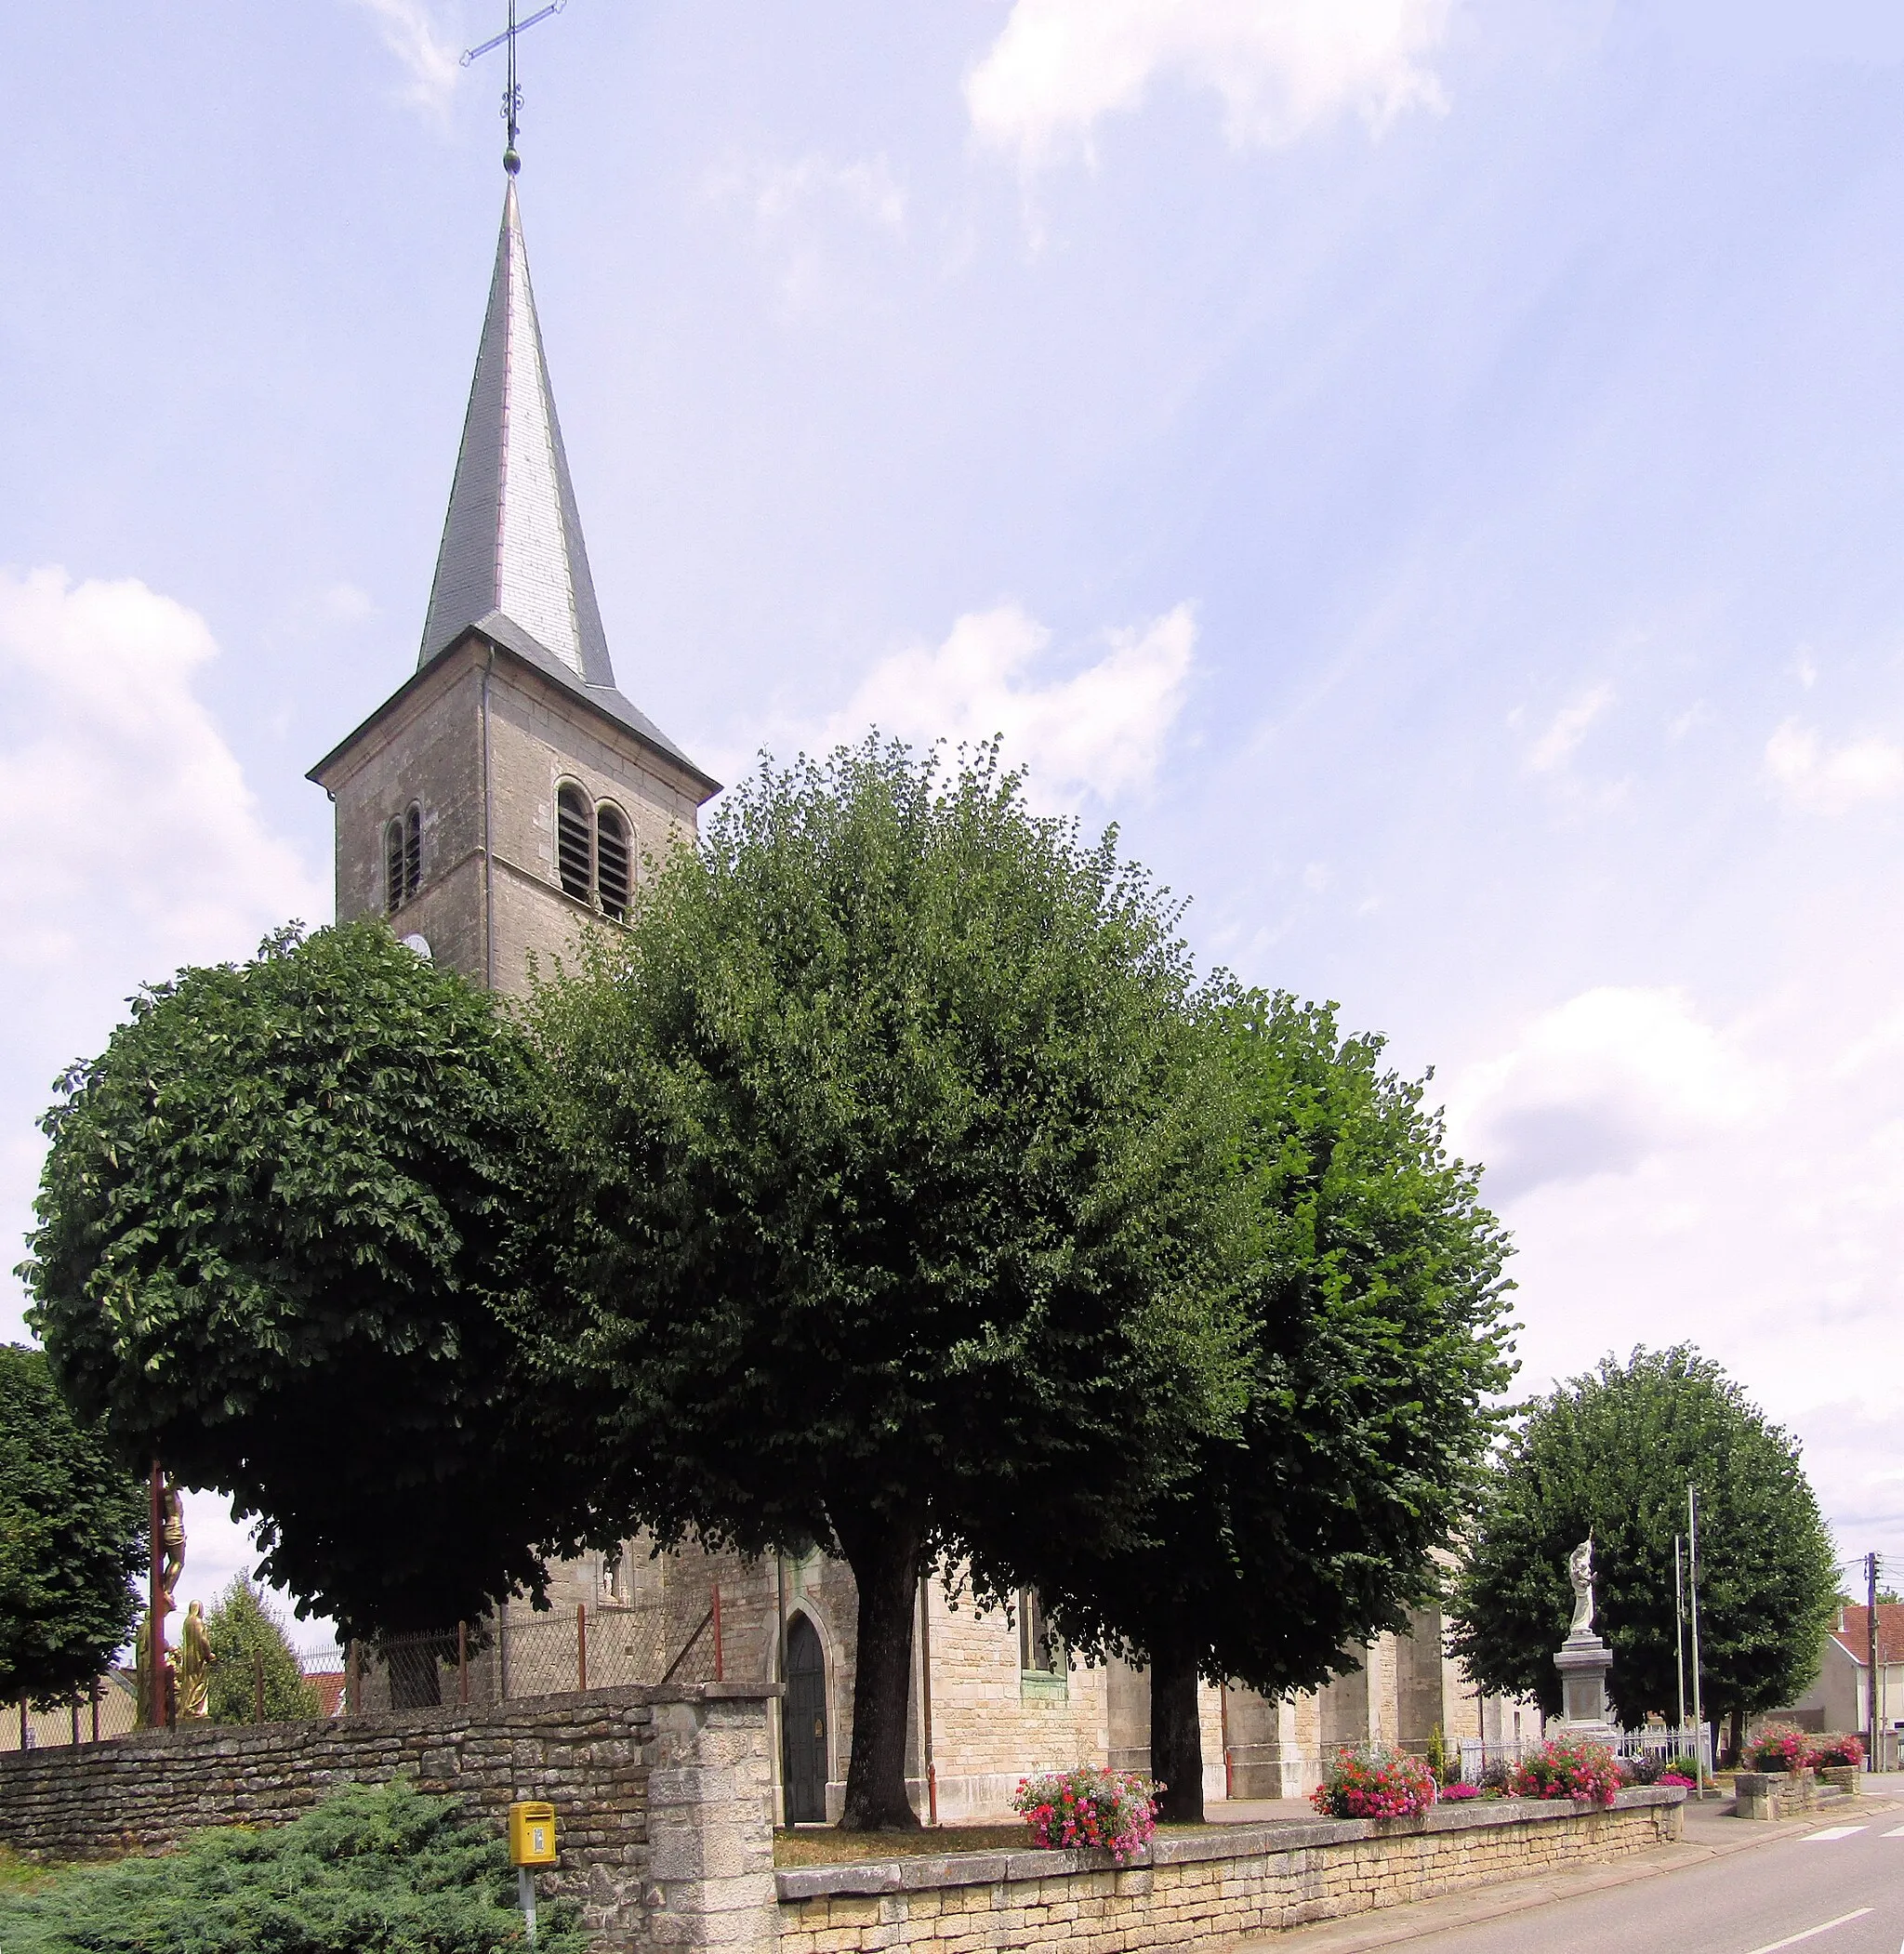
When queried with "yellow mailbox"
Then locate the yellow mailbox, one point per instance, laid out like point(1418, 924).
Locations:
point(532, 1834)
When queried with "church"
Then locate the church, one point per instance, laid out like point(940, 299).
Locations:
point(500, 802)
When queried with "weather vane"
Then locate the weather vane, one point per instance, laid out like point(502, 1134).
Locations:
point(512, 94)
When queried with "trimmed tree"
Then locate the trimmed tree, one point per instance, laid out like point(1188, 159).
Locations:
point(271, 1227)
point(1611, 1454)
point(900, 1195)
point(72, 1528)
point(249, 1646)
point(1376, 1305)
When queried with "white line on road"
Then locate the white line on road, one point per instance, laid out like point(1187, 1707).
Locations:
point(1791, 1940)
point(1836, 1831)
point(1897, 1834)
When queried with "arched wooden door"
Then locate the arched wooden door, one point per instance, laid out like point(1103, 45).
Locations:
point(803, 1724)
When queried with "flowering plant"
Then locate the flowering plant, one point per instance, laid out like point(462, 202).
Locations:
point(1456, 1792)
point(1846, 1747)
point(1781, 1746)
point(1672, 1778)
point(1568, 1768)
point(1089, 1807)
point(1374, 1782)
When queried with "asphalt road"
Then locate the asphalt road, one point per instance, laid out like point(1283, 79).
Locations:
point(1836, 1890)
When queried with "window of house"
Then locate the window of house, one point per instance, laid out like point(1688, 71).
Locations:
point(613, 862)
point(1042, 1663)
point(574, 844)
point(403, 857)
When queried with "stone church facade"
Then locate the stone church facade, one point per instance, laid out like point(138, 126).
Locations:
point(500, 802)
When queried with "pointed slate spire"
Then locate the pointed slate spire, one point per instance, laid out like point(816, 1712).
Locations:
point(512, 543)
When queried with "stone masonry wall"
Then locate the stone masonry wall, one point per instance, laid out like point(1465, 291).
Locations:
point(1204, 1890)
point(663, 1797)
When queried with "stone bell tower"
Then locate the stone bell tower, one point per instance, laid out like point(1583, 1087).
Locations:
point(500, 800)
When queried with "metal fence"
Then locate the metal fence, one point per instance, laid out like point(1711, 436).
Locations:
point(1652, 1741)
point(520, 1653)
point(111, 1708)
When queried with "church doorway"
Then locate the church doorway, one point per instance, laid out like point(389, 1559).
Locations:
point(804, 1724)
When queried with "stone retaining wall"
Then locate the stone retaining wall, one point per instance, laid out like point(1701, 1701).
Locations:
point(1203, 1890)
point(663, 1797)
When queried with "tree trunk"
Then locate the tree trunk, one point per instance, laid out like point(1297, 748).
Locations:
point(884, 1555)
point(1735, 1743)
point(1176, 1734)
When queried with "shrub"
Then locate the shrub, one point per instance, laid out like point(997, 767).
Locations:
point(1458, 1793)
point(1089, 1807)
point(1646, 1769)
point(1844, 1747)
point(1779, 1747)
point(1568, 1768)
point(1443, 1760)
point(1495, 1774)
point(1374, 1782)
point(386, 1872)
point(1685, 1764)
point(1672, 1778)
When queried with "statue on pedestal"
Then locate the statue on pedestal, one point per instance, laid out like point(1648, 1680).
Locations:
point(196, 1660)
point(1579, 1571)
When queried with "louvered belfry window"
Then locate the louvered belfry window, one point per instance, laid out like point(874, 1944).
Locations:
point(574, 852)
point(402, 858)
point(612, 862)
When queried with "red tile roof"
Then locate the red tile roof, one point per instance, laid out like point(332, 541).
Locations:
point(1854, 1632)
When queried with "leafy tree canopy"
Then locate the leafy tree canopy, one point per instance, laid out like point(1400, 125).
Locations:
point(1376, 1303)
point(900, 1184)
point(1611, 1454)
point(249, 1644)
point(73, 1524)
point(270, 1228)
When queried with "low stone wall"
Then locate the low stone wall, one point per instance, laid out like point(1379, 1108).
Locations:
point(1203, 1890)
point(1788, 1794)
point(663, 1797)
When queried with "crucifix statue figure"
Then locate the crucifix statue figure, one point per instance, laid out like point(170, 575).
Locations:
point(512, 94)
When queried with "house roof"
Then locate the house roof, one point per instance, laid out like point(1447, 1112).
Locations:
point(1853, 1633)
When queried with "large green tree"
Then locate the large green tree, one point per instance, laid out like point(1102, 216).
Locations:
point(271, 1227)
point(900, 1198)
point(1376, 1303)
point(73, 1538)
point(1611, 1454)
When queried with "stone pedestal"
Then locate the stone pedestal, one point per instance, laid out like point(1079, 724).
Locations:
point(1583, 1660)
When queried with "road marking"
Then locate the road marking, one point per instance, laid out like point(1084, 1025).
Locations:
point(1791, 1940)
point(1836, 1831)
point(1897, 1834)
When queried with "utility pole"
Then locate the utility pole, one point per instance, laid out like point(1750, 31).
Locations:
point(1692, 1574)
point(1679, 1629)
point(1870, 1670)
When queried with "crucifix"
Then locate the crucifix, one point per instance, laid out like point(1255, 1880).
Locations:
point(512, 94)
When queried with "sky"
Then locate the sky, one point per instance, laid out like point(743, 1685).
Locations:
point(1429, 471)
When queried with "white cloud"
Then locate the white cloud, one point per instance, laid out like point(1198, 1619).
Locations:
point(866, 189)
point(1568, 726)
point(1829, 780)
point(431, 59)
point(1600, 1085)
point(1282, 67)
point(1100, 730)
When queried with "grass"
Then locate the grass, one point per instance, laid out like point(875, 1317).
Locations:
point(18, 1875)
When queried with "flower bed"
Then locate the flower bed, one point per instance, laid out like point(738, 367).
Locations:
point(1779, 1747)
point(1568, 1768)
point(1087, 1807)
point(1374, 1782)
point(1842, 1748)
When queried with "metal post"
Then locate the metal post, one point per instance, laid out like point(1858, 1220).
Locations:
point(1223, 1705)
point(353, 1679)
point(925, 1697)
point(780, 1677)
point(525, 1893)
point(1692, 1575)
point(720, 1675)
point(1871, 1674)
point(158, 1695)
point(26, 1731)
point(463, 1664)
point(581, 1645)
point(1679, 1629)
point(75, 1719)
point(95, 1708)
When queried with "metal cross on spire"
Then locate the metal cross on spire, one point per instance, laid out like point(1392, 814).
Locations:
point(512, 94)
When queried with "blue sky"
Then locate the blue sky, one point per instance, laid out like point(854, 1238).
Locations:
point(1429, 470)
